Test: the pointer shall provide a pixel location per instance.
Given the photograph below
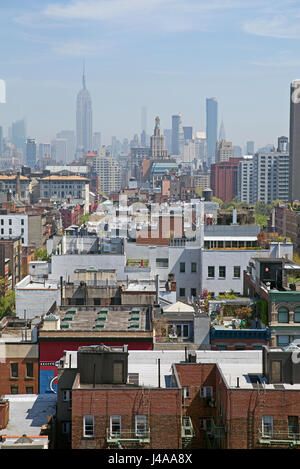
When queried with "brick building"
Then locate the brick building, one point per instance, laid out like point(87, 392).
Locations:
point(242, 406)
point(224, 179)
point(19, 368)
point(101, 408)
point(72, 327)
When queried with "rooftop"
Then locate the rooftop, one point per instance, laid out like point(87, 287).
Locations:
point(28, 413)
point(103, 319)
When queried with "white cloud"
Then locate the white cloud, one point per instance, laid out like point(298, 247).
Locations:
point(276, 19)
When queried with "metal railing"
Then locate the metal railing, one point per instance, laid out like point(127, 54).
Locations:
point(287, 437)
point(128, 435)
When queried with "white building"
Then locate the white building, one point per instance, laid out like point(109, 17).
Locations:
point(14, 225)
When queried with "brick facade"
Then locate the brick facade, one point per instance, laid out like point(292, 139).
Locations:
point(161, 406)
point(237, 412)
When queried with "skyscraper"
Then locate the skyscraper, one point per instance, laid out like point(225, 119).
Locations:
point(18, 135)
point(294, 189)
point(157, 145)
point(250, 148)
point(31, 153)
point(177, 135)
point(84, 125)
point(69, 136)
point(211, 129)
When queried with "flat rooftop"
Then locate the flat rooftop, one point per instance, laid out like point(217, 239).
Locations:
point(113, 318)
point(28, 413)
point(145, 363)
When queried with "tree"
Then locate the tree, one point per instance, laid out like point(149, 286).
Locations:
point(41, 254)
point(7, 304)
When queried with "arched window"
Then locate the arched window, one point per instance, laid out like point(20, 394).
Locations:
point(283, 315)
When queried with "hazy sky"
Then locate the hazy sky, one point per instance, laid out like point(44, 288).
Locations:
point(168, 55)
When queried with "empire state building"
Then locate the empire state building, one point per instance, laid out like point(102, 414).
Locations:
point(84, 125)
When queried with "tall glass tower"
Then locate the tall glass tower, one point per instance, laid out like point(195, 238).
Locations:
point(177, 135)
point(211, 129)
point(84, 124)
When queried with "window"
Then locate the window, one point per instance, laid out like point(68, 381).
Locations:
point(88, 426)
point(181, 291)
point(133, 378)
point(29, 389)
point(181, 330)
point(194, 267)
point(14, 370)
point(65, 427)
point(211, 271)
point(162, 262)
point(205, 425)
point(237, 271)
point(193, 291)
point(182, 267)
point(2, 231)
point(293, 426)
point(222, 271)
point(267, 425)
point(140, 425)
point(206, 391)
point(115, 425)
point(10, 231)
point(283, 315)
point(10, 221)
point(283, 340)
point(29, 370)
point(22, 221)
point(2, 221)
point(14, 390)
point(66, 395)
point(297, 315)
point(185, 394)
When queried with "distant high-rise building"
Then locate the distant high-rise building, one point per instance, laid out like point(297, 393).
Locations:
point(283, 144)
point(157, 142)
point(224, 151)
point(211, 129)
point(250, 148)
point(59, 150)
point(294, 190)
point(177, 135)
point(237, 151)
point(109, 172)
point(96, 140)
point(44, 150)
point(30, 153)
point(245, 180)
point(69, 136)
point(1, 141)
point(144, 119)
point(18, 135)
point(222, 134)
point(143, 138)
point(84, 124)
point(188, 133)
point(224, 180)
point(168, 140)
point(264, 177)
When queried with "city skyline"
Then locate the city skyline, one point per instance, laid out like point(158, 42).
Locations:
point(244, 67)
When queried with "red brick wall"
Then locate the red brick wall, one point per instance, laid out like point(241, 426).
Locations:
point(162, 406)
point(195, 376)
point(6, 381)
